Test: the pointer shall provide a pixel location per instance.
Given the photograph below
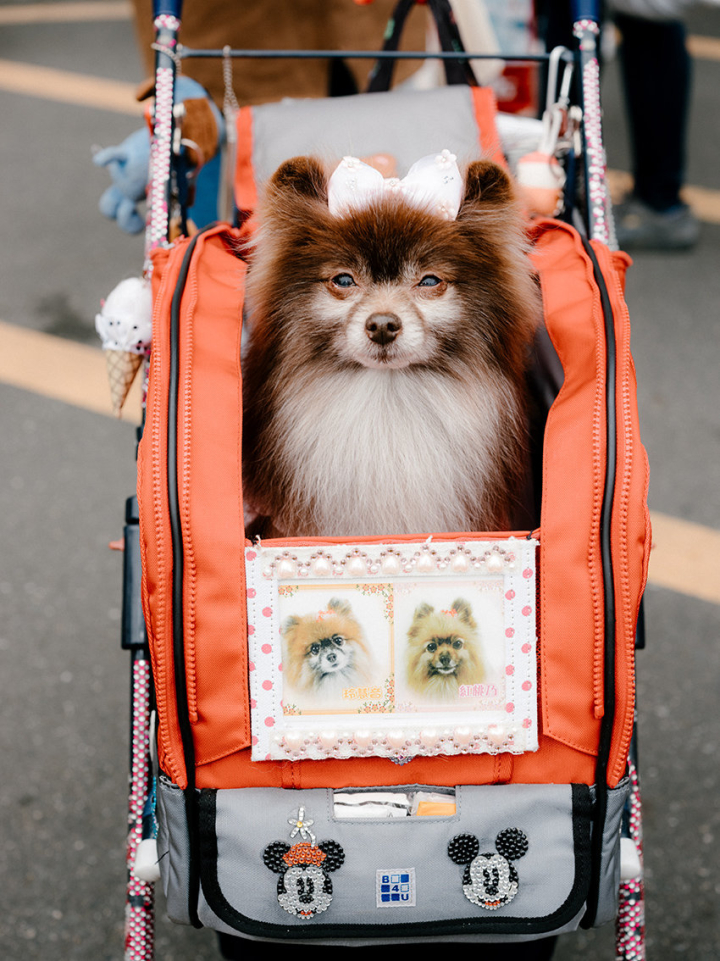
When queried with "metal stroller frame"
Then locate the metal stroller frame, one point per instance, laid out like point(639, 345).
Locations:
point(594, 220)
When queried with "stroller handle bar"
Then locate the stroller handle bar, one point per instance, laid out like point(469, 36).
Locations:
point(169, 53)
point(184, 52)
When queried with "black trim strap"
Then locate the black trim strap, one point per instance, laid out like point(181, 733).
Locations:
point(456, 71)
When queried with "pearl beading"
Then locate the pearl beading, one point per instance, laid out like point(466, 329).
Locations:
point(392, 562)
point(140, 895)
point(599, 208)
point(396, 744)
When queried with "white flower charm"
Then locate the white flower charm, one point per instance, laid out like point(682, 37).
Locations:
point(301, 825)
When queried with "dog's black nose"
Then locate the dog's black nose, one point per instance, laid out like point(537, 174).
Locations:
point(383, 328)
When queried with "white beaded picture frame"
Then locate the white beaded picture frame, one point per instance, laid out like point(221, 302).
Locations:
point(392, 650)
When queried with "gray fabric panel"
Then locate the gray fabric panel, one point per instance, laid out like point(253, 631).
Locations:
point(249, 820)
point(406, 124)
point(173, 852)
point(610, 867)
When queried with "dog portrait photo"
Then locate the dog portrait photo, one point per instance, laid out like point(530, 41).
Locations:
point(444, 651)
point(450, 645)
point(326, 655)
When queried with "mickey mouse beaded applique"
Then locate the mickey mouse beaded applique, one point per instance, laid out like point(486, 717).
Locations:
point(490, 880)
point(304, 886)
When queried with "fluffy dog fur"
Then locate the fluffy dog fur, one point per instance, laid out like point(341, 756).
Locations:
point(443, 651)
point(385, 373)
point(325, 652)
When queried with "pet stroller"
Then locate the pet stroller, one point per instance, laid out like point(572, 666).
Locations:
point(523, 809)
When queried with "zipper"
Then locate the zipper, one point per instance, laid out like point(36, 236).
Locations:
point(607, 723)
point(185, 404)
point(624, 386)
point(160, 661)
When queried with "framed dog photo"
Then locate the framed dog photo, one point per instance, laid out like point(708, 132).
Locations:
point(392, 650)
point(336, 646)
point(446, 658)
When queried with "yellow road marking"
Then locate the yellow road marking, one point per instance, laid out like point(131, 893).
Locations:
point(67, 87)
point(65, 12)
point(683, 558)
point(62, 370)
point(705, 202)
point(704, 48)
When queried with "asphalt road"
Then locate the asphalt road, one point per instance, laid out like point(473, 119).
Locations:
point(65, 473)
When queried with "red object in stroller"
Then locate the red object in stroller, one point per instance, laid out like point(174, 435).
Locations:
point(599, 228)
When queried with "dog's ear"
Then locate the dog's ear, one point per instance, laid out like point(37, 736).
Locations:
point(422, 610)
point(301, 175)
point(289, 624)
point(464, 611)
point(340, 606)
point(486, 182)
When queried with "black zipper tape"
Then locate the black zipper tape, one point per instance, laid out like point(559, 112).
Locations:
point(608, 720)
point(181, 694)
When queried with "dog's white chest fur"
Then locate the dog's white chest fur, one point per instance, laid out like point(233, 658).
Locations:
point(390, 451)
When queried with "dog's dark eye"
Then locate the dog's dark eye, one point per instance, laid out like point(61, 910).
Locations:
point(337, 640)
point(457, 644)
point(343, 280)
point(429, 280)
point(314, 648)
point(430, 647)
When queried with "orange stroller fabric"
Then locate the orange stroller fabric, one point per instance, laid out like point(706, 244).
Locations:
point(571, 615)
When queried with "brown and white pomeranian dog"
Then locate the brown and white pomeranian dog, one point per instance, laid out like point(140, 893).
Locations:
point(443, 651)
point(325, 653)
point(384, 378)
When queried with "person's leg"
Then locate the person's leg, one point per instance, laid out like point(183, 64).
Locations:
point(656, 71)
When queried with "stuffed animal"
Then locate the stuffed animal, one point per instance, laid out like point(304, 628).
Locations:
point(128, 162)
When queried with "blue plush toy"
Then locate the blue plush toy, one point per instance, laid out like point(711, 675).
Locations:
point(128, 165)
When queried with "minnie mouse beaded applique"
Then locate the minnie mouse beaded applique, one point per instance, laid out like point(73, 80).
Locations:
point(304, 887)
point(489, 880)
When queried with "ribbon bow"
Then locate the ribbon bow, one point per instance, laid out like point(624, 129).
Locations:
point(433, 182)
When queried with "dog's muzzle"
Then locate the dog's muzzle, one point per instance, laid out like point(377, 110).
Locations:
point(383, 329)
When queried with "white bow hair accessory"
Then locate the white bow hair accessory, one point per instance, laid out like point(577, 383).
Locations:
point(433, 182)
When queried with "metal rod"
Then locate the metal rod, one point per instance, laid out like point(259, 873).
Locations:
point(190, 52)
